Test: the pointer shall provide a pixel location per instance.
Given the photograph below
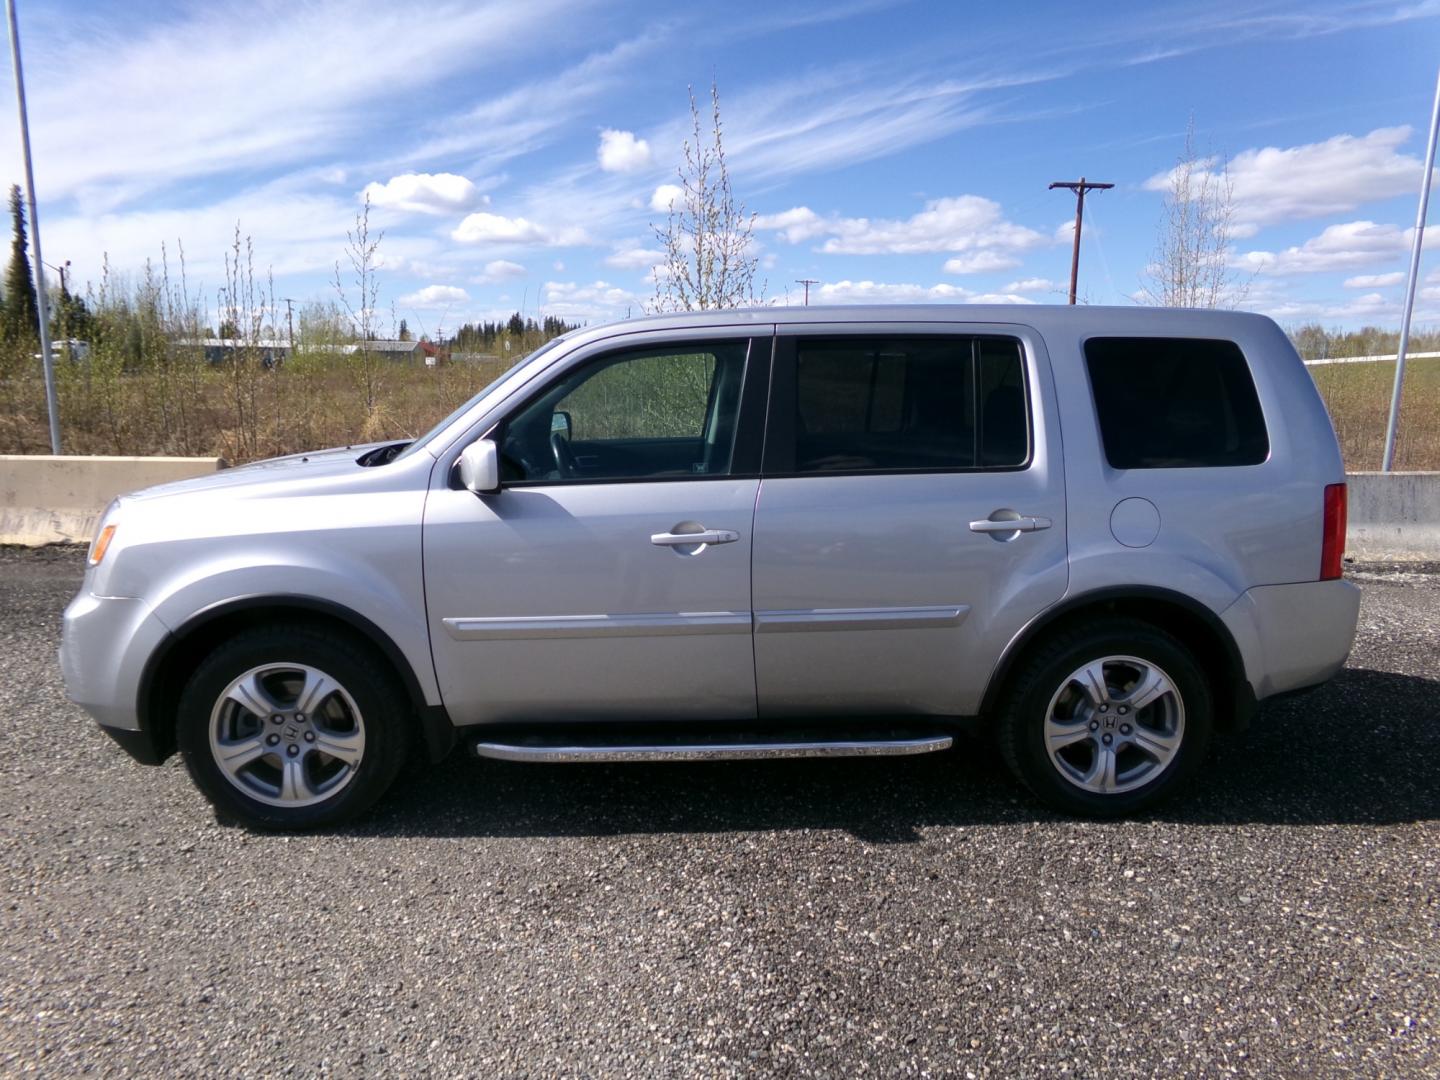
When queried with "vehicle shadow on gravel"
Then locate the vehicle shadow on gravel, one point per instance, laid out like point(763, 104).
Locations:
point(1363, 749)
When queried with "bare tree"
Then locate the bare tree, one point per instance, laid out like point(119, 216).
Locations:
point(360, 250)
point(709, 260)
point(1191, 265)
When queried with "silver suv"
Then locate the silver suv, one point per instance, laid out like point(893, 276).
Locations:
point(1099, 534)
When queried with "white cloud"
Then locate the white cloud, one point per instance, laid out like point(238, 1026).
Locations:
point(664, 196)
point(434, 296)
point(293, 232)
point(1349, 246)
point(965, 223)
point(634, 258)
point(598, 300)
point(487, 228)
point(425, 193)
point(498, 270)
point(1031, 285)
point(796, 225)
point(1375, 281)
point(1273, 184)
point(621, 151)
point(980, 262)
point(876, 292)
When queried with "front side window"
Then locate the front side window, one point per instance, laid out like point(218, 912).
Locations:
point(1175, 403)
point(909, 404)
point(653, 413)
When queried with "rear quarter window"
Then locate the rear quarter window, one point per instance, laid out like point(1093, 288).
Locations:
point(1175, 403)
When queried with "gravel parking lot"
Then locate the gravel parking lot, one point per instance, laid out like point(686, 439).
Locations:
point(895, 917)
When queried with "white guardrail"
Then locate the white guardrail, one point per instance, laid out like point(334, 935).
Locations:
point(1370, 359)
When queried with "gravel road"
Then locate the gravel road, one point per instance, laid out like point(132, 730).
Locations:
point(895, 917)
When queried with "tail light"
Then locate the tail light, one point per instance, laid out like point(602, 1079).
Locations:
point(1332, 550)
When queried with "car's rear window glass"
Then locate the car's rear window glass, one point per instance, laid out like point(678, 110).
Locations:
point(882, 404)
point(1175, 403)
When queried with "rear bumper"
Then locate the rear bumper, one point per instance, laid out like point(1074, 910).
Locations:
point(1293, 636)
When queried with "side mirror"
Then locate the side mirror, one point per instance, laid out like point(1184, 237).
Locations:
point(480, 467)
point(560, 424)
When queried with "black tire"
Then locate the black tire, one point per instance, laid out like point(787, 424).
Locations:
point(333, 789)
point(1123, 649)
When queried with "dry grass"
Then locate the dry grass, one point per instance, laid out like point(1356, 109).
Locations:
point(1358, 397)
point(192, 408)
point(243, 412)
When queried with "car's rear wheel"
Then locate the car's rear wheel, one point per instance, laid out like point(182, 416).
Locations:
point(292, 728)
point(1107, 719)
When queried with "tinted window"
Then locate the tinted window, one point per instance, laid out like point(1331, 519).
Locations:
point(1170, 403)
point(638, 414)
point(873, 404)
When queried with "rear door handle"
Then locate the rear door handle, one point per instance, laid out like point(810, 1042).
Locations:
point(1018, 524)
point(708, 536)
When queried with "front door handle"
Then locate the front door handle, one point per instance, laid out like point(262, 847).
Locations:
point(705, 536)
point(1010, 525)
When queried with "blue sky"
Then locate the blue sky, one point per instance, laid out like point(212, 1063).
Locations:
point(895, 151)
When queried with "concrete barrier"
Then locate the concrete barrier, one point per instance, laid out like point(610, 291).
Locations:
point(1393, 516)
point(58, 500)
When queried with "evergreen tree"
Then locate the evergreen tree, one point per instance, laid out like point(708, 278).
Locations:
point(20, 316)
point(404, 330)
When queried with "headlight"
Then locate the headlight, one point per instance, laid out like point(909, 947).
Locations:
point(103, 535)
point(101, 544)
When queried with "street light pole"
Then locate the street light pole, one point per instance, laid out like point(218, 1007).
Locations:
point(1387, 462)
point(42, 308)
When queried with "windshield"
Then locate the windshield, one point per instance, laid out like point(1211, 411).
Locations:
point(452, 417)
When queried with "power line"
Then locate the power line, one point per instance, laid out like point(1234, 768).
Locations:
point(807, 282)
point(1080, 187)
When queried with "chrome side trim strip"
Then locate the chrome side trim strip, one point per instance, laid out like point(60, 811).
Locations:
point(584, 626)
point(890, 618)
point(713, 751)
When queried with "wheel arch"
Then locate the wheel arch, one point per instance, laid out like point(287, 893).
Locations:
point(163, 677)
point(1196, 626)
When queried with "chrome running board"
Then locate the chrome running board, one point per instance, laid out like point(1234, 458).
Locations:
point(713, 751)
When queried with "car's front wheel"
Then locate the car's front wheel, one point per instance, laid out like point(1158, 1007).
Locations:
point(1107, 719)
point(292, 728)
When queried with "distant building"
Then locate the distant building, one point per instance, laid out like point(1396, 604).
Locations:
point(273, 351)
point(393, 350)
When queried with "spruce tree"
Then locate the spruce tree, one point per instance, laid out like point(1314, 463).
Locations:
point(20, 315)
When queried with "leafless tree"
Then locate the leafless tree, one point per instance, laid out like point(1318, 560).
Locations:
point(1191, 265)
point(708, 237)
point(361, 250)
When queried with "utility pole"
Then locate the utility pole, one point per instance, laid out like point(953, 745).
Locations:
point(1079, 187)
point(290, 321)
point(46, 359)
point(807, 282)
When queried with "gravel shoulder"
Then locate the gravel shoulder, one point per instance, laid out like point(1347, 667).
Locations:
point(895, 917)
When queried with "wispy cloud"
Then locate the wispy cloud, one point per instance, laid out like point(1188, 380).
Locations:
point(121, 107)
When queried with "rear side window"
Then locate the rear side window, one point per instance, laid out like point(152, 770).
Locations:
point(1175, 403)
point(907, 404)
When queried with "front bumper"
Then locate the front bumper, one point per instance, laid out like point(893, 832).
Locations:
point(105, 642)
point(1293, 636)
